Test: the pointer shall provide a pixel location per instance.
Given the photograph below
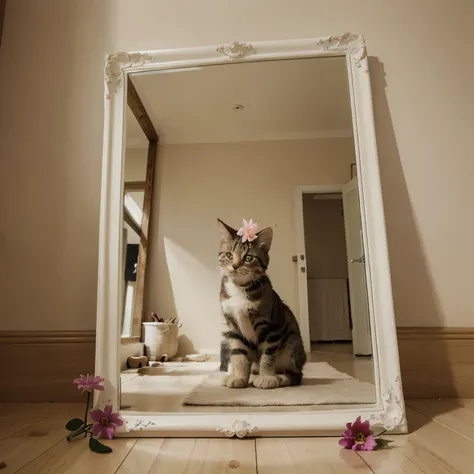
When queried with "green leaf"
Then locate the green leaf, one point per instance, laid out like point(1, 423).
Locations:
point(98, 447)
point(74, 424)
point(383, 443)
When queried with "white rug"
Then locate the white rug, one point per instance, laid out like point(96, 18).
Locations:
point(322, 385)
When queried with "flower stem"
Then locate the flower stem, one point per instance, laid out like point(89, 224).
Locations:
point(87, 409)
point(83, 429)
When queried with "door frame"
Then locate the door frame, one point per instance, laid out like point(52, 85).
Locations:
point(360, 346)
point(302, 278)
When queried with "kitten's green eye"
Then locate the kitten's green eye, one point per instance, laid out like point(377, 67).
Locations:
point(229, 255)
point(249, 259)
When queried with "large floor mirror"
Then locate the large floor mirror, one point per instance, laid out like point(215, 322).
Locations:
point(253, 275)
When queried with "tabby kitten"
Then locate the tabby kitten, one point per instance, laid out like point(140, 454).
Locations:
point(263, 344)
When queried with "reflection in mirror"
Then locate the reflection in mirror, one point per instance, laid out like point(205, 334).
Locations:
point(339, 322)
point(135, 168)
point(271, 141)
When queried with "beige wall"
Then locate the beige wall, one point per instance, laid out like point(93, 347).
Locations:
point(135, 164)
point(195, 185)
point(325, 239)
point(51, 115)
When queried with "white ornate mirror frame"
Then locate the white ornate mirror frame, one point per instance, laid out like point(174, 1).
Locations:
point(389, 410)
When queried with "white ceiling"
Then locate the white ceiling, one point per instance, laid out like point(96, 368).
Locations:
point(291, 99)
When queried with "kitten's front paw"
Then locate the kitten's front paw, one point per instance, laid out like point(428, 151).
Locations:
point(266, 381)
point(231, 381)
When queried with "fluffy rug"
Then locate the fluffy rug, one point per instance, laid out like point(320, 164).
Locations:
point(322, 385)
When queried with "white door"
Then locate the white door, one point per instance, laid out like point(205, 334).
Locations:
point(356, 263)
point(300, 260)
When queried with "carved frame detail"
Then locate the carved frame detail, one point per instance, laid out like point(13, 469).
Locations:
point(239, 429)
point(235, 49)
point(354, 44)
point(139, 425)
point(115, 65)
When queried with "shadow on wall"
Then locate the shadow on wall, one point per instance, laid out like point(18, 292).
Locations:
point(413, 288)
point(190, 282)
point(185, 346)
point(181, 293)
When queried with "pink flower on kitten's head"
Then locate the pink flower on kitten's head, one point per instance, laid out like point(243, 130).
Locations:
point(358, 436)
point(105, 422)
point(88, 383)
point(249, 231)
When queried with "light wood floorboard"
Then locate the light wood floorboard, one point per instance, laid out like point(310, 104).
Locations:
point(25, 445)
point(15, 417)
point(191, 456)
point(446, 413)
point(466, 403)
point(76, 458)
point(430, 448)
point(441, 440)
point(305, 456)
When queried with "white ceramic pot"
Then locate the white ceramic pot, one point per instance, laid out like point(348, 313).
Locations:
point(160, 339)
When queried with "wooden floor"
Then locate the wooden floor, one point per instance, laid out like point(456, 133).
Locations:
point(32, 440)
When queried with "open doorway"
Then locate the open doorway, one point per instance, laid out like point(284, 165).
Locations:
point(331, 268)
point(327, 268)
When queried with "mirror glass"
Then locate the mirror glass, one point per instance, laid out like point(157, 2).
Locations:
point(136, 151)
point(264, 315)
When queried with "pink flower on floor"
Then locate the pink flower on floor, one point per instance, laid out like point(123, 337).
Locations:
point(249, 231)
point(358, 436)
point(105, 422)
point(88, 383)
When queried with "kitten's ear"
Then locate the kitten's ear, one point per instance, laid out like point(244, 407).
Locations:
point(227, 233)
point(264, 239)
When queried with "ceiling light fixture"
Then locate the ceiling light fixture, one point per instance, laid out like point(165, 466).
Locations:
point(238, 107)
